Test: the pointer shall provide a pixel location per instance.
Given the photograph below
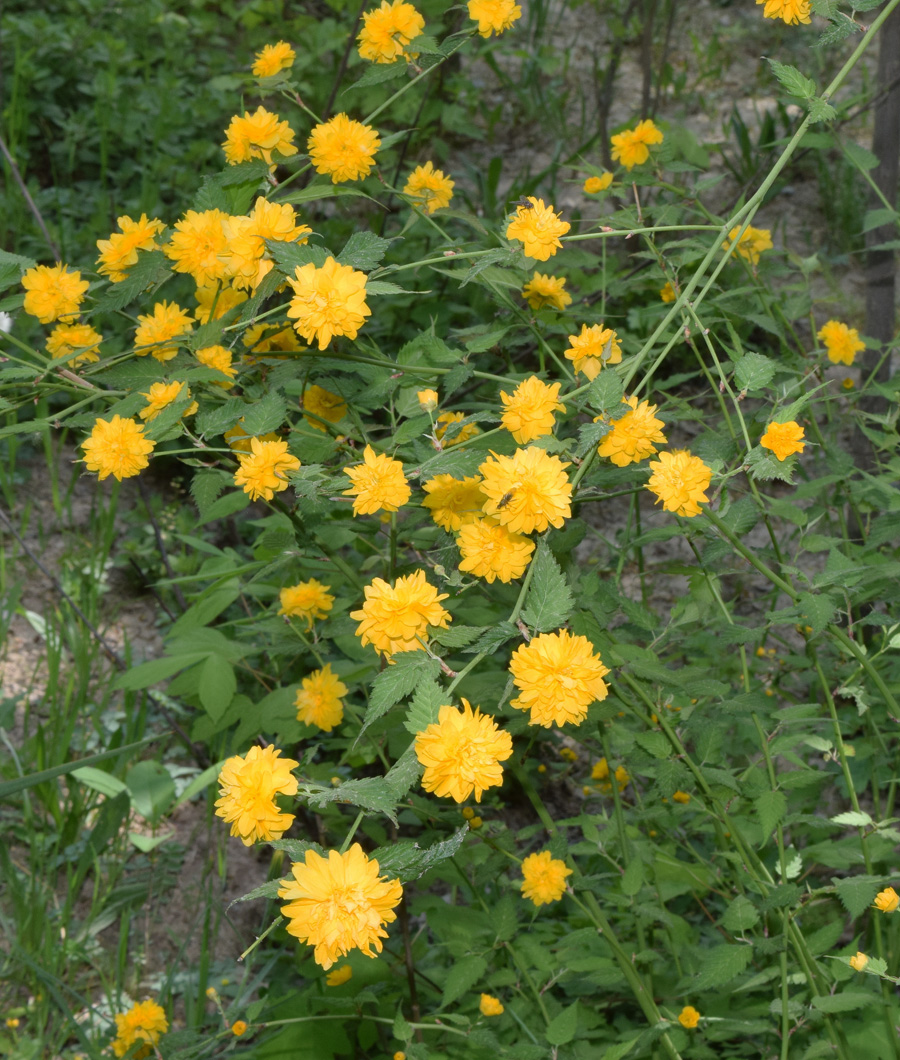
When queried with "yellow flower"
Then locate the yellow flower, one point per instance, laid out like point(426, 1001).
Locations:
point(490, 551)
point(632, 147)
point(842, 344)
point(320, 404)
point(428, 400)
point(327, 302)
point(681, 796)
point(544, 878)
point(783, 439)
point(388, 30)
point(633, 436)
point(67, 338)
point(454, 502)
point(308, 600)
point(12, 1022)
point(595, 347)
point(343, 148)
point(161, 395)
point(543, 290)
point(378, 484)
point(319, 702)
point(447, 419)
point(689, 1017)
point(600, 772)
point(117, 447)
point(262, 471)
point(429, 187)
point(120, 251)
point(667, 292)
point(596, 184)
point(257, 136)
point(216, 301)
point(218, 358)
point(751, 244)
point(394, 617)
point(538, 227)
point(273, 59)
point(247, 789)
point(887, 900)
point(527, 491)
point(529, 411)
point(339, 903)
point(490, 1006)
point(239, 1028)
point(399, 1055)
point(859, 962)
point(792, 12)
point(52, 292)
point(246, 249)
point(143, 1022)
point(462, 752)
point(199, 246)
point(158, 332)
point(494, 16)
point(679, 480)
point(339, 976)
point(558, 676)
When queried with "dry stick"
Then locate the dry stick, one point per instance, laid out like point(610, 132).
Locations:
point(32, 205)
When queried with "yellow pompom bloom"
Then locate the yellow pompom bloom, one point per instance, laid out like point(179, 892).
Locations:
point(490, 551)
point(667, 292)
point(792, 12)
point(399, 1055)
point(327, 302)
point(428, 400)
point(689, 1017)
point(120, 251)
point(680, 480)
point(447, 419)
point(262, 471)
point(143, 1022)
point(681, 796)
point(215, 301)
point(494, 16)
point(529, 410)
point(859, 962)
point(320, 404)
point(378, 484)
point(199, 246)
point(784, 439)
point(339, 903)
point(52, 292)
point(246, 254)
point(394, 617)
point(593, 349)
point(161, 395)
point(117, 447)
point(887, 900)
point(247, 788)
point(751, 244)
point(343, 149)
point(559, 675)
point(454, 502)
point(490, 1006)
point(67, 338)
point(273, 59)
point(527, 491)
point(634, 436)
point(388, 30)
point(600, 773)
point(218, 358)
point(544, 878)
point(239, 1028)
point(593, 185)
point(307, 600)
point(842, 344)
point(538, 227)
point(542, 290)
point(632, 147)
point(339, 976)
point(462, 752)
point(319, 701)
point(257, 136)
point(429, 187)
point(158, 332)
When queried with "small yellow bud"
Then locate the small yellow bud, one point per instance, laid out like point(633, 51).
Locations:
point(681, 796)
point(212, 993)
point(428, 399)
point(887, 900)
point(238, 1028)
point(689, 1017)
point(468, 812)
point(847, 383)
point(490, 1006)
point(859, 962)
point(475, 822)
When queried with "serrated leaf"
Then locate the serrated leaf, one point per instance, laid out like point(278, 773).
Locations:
point(364, 250)
point(654, 743)
point(288, 256)
point(264, 415)
point(721, 964)
point(377, 74)
point(404, 773)
point(408, 861)
point(256, 170)
point(792, 80)
point(217, 686)
point(606, 392)
point(852, 819)
point(857, 892)
point(456, 636)
point(492, 639)
point(771, 806)
point(563, 1027)
point(820, 110)
point(371, 793)
point(754, 371)
point(265, 890)
point(549, 601)
point(815, 610)
point(633, 877)
point(150, 271)
point(846, 1001)
point(423, 711)
point(220, 418)
point(464, 974)
point(740, 915)
point(397, 680)
point(206, 486)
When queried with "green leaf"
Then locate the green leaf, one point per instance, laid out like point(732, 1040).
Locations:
point(456, 636)
point(549, 602)
point(721, 964)
point(206, 486)
point(12, 787)
point(633, 877)
point(562, 1028)
point(404, 773)
point(377, 73)
point(464, 974)
point(100, 780)
point(364, 250)
point(492, 639)
point(151, 271)
point(771, 806)
point(289, 255)
point(857, 892)
point(606, 392)
point(740, 915)
point(219, 419)
point(820, 110)
point(792, 80)
point(852, 819)
point(846, 1001)
point(217, 685)
point(622, 1049)
point(423, 710)
point(152, 789)
point(407, 861)
point(371, 793)
point(264, 415)
point(265, 890)
point(654, 743)
point(754, 371)
point(397, 680)
point(150, 673)
point(815, 610)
